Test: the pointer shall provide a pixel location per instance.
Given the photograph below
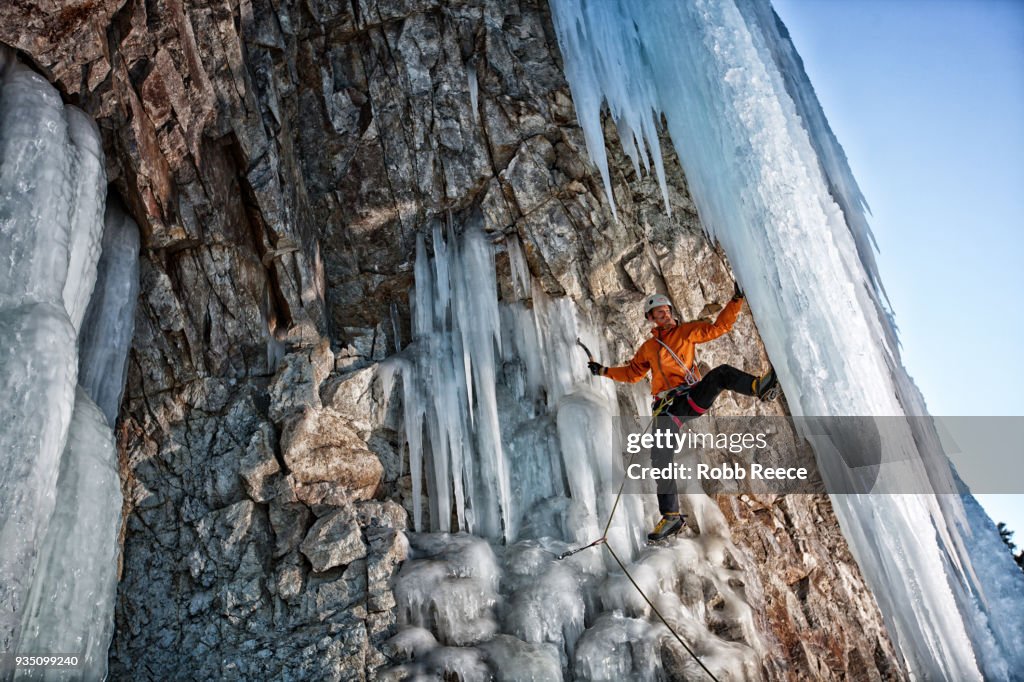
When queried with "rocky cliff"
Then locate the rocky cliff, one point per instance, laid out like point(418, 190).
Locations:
point(280, 159)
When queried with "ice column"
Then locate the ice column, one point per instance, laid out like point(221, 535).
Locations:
point(36, 190)
point(38, 370)
point(86, 214)
point(37, 384)
point(449, 387)
point(59, 489)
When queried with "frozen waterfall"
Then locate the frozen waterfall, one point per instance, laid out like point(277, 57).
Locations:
point(514, 439)
point(772, 185)
point(60, 494)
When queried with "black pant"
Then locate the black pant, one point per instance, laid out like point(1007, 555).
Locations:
point(703, 393)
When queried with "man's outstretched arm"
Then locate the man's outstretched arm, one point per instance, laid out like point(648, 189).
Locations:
point(706, 331)
point(630, 373)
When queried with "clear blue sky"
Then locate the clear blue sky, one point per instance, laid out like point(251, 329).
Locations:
point(927, 99)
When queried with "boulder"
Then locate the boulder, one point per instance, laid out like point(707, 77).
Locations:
point(320, 446)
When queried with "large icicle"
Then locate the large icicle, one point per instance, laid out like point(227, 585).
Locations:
point(476, 314)
point(106, 333)
point(771, 184)
point(774, 41)
point(57, 568)
point(38, 367)
point(449, 388)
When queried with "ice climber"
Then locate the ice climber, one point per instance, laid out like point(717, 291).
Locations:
point(678, 388)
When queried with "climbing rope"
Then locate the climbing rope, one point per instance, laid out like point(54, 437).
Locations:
point(622, 485)
point(658, 613)
point(603, 540)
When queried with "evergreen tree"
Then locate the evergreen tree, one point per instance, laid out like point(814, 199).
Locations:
point(1007, 537)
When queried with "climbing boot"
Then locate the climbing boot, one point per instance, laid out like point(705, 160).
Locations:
point(670, 524)
point(767, 386)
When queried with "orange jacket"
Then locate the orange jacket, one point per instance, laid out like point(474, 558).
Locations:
point(665, 371)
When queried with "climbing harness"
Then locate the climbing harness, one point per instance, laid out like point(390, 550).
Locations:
point(603, 540)
point(667, 398)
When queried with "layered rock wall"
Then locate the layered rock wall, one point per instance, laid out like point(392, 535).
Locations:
point(280, 158)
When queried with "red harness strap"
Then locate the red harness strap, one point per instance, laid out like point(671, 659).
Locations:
point(694, 406)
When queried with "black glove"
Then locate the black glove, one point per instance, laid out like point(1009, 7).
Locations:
point(597, 369)
point(738, 294)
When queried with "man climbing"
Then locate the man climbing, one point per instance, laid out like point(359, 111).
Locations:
point(678, 389)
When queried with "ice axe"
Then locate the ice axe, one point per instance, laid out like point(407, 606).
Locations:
point(593, 365)
point(590, 356)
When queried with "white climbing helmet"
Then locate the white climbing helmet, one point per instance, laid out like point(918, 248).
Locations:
point(655, 300)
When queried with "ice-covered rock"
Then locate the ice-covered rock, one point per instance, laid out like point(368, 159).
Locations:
point(451, 588)
point(514, 660)
point(411, 642)
point(619, 648)
point(72, 598)
point(549, 609)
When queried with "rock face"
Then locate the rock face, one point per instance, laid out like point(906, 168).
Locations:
point(280, 158)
